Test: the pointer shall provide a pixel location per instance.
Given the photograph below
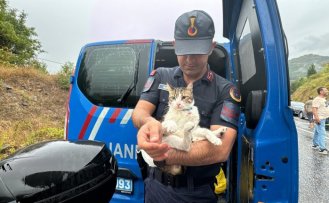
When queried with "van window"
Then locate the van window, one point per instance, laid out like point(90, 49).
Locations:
point(248, 66)
point(110, 72)
point(250, 54)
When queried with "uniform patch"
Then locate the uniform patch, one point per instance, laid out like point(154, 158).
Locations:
point(235, 94)
point(148, 84)
point(163, 87)
point(230, 113)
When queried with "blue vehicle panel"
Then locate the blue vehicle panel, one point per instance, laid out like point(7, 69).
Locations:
point(111, 125)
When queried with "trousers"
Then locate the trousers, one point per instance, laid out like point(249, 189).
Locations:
point(157, 192)
point(320, 134)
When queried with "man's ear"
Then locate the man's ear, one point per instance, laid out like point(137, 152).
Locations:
point(213, 45)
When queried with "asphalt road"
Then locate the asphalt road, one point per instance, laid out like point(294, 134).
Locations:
point(313, 167)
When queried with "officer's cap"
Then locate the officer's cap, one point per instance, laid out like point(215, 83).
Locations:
point(194, 33)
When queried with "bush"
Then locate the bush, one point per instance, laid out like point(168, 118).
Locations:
point(296, 84)
point(63, 77)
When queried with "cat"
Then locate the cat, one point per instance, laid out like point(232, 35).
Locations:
point(181, 125)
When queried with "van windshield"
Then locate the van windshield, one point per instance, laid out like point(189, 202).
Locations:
point(107, 71)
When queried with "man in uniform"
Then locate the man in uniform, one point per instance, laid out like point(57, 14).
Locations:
point(218, 103)
point(320, 112)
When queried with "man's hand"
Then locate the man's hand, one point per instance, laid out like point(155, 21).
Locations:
point(149, 139)
point(317, 121)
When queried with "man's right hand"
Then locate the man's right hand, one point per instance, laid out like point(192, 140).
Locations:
point(149, 138)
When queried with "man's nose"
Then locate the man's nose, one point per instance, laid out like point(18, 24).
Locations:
point(190, 57)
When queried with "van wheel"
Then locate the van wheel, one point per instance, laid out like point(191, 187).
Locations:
point(300, 115)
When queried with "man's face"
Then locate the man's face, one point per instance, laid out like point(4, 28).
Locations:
point(193, 65)
point(324, 92)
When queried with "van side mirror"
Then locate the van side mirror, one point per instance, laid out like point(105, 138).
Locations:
point(59, 171)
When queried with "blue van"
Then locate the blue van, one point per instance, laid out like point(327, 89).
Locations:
point(263, 165)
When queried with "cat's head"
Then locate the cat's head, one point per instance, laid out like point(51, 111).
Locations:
point(181, 98)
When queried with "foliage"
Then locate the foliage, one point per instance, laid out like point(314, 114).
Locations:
point(32, 107)
point(311, 70)
point(65, 74)
point(18, 43)
point(296, 84)
point(42, 134)
point(26, 132)
point(309, 86)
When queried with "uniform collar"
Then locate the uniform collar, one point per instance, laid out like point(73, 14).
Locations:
point(208, 76)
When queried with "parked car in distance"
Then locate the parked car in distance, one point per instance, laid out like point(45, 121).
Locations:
point(298, 109)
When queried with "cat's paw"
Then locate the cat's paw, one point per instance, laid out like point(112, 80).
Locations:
point(216, 141)
point(188, 126)
point(169, 126)
point(220, 131)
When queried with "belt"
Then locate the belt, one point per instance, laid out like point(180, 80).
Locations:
point(178, 180)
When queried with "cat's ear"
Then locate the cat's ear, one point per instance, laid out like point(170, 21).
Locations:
point(169, 87)
point(190, 86)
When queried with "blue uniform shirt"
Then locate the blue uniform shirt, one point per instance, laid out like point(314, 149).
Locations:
point(217, 100)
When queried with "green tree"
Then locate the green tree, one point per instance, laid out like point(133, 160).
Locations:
point(65, 74)
point(18, 43)
point(311, 70)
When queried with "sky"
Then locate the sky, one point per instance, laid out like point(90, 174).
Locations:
point(65, 26)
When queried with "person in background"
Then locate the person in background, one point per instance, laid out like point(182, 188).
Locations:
point(217, 100)
point(320, 113)
point(309, 112)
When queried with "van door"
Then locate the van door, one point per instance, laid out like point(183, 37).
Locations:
point(105, 89)
point(266, 155)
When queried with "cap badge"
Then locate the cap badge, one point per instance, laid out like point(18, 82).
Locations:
point(192, 30)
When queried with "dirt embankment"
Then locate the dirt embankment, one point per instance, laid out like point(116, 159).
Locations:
point(32, 108)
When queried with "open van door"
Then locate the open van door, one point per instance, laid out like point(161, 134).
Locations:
point(266, 154)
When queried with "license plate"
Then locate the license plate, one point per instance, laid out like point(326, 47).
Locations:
point(124, 185)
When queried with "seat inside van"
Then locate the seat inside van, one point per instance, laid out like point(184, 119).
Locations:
point(166, 57)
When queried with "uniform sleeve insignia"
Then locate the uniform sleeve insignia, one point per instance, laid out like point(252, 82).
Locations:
point(148, 84)
point(230, 112)
point(153, 72)
point(235, 94)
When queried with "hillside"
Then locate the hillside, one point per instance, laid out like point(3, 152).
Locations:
point(32, 108)
point(298, 66)
point(311, 84)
